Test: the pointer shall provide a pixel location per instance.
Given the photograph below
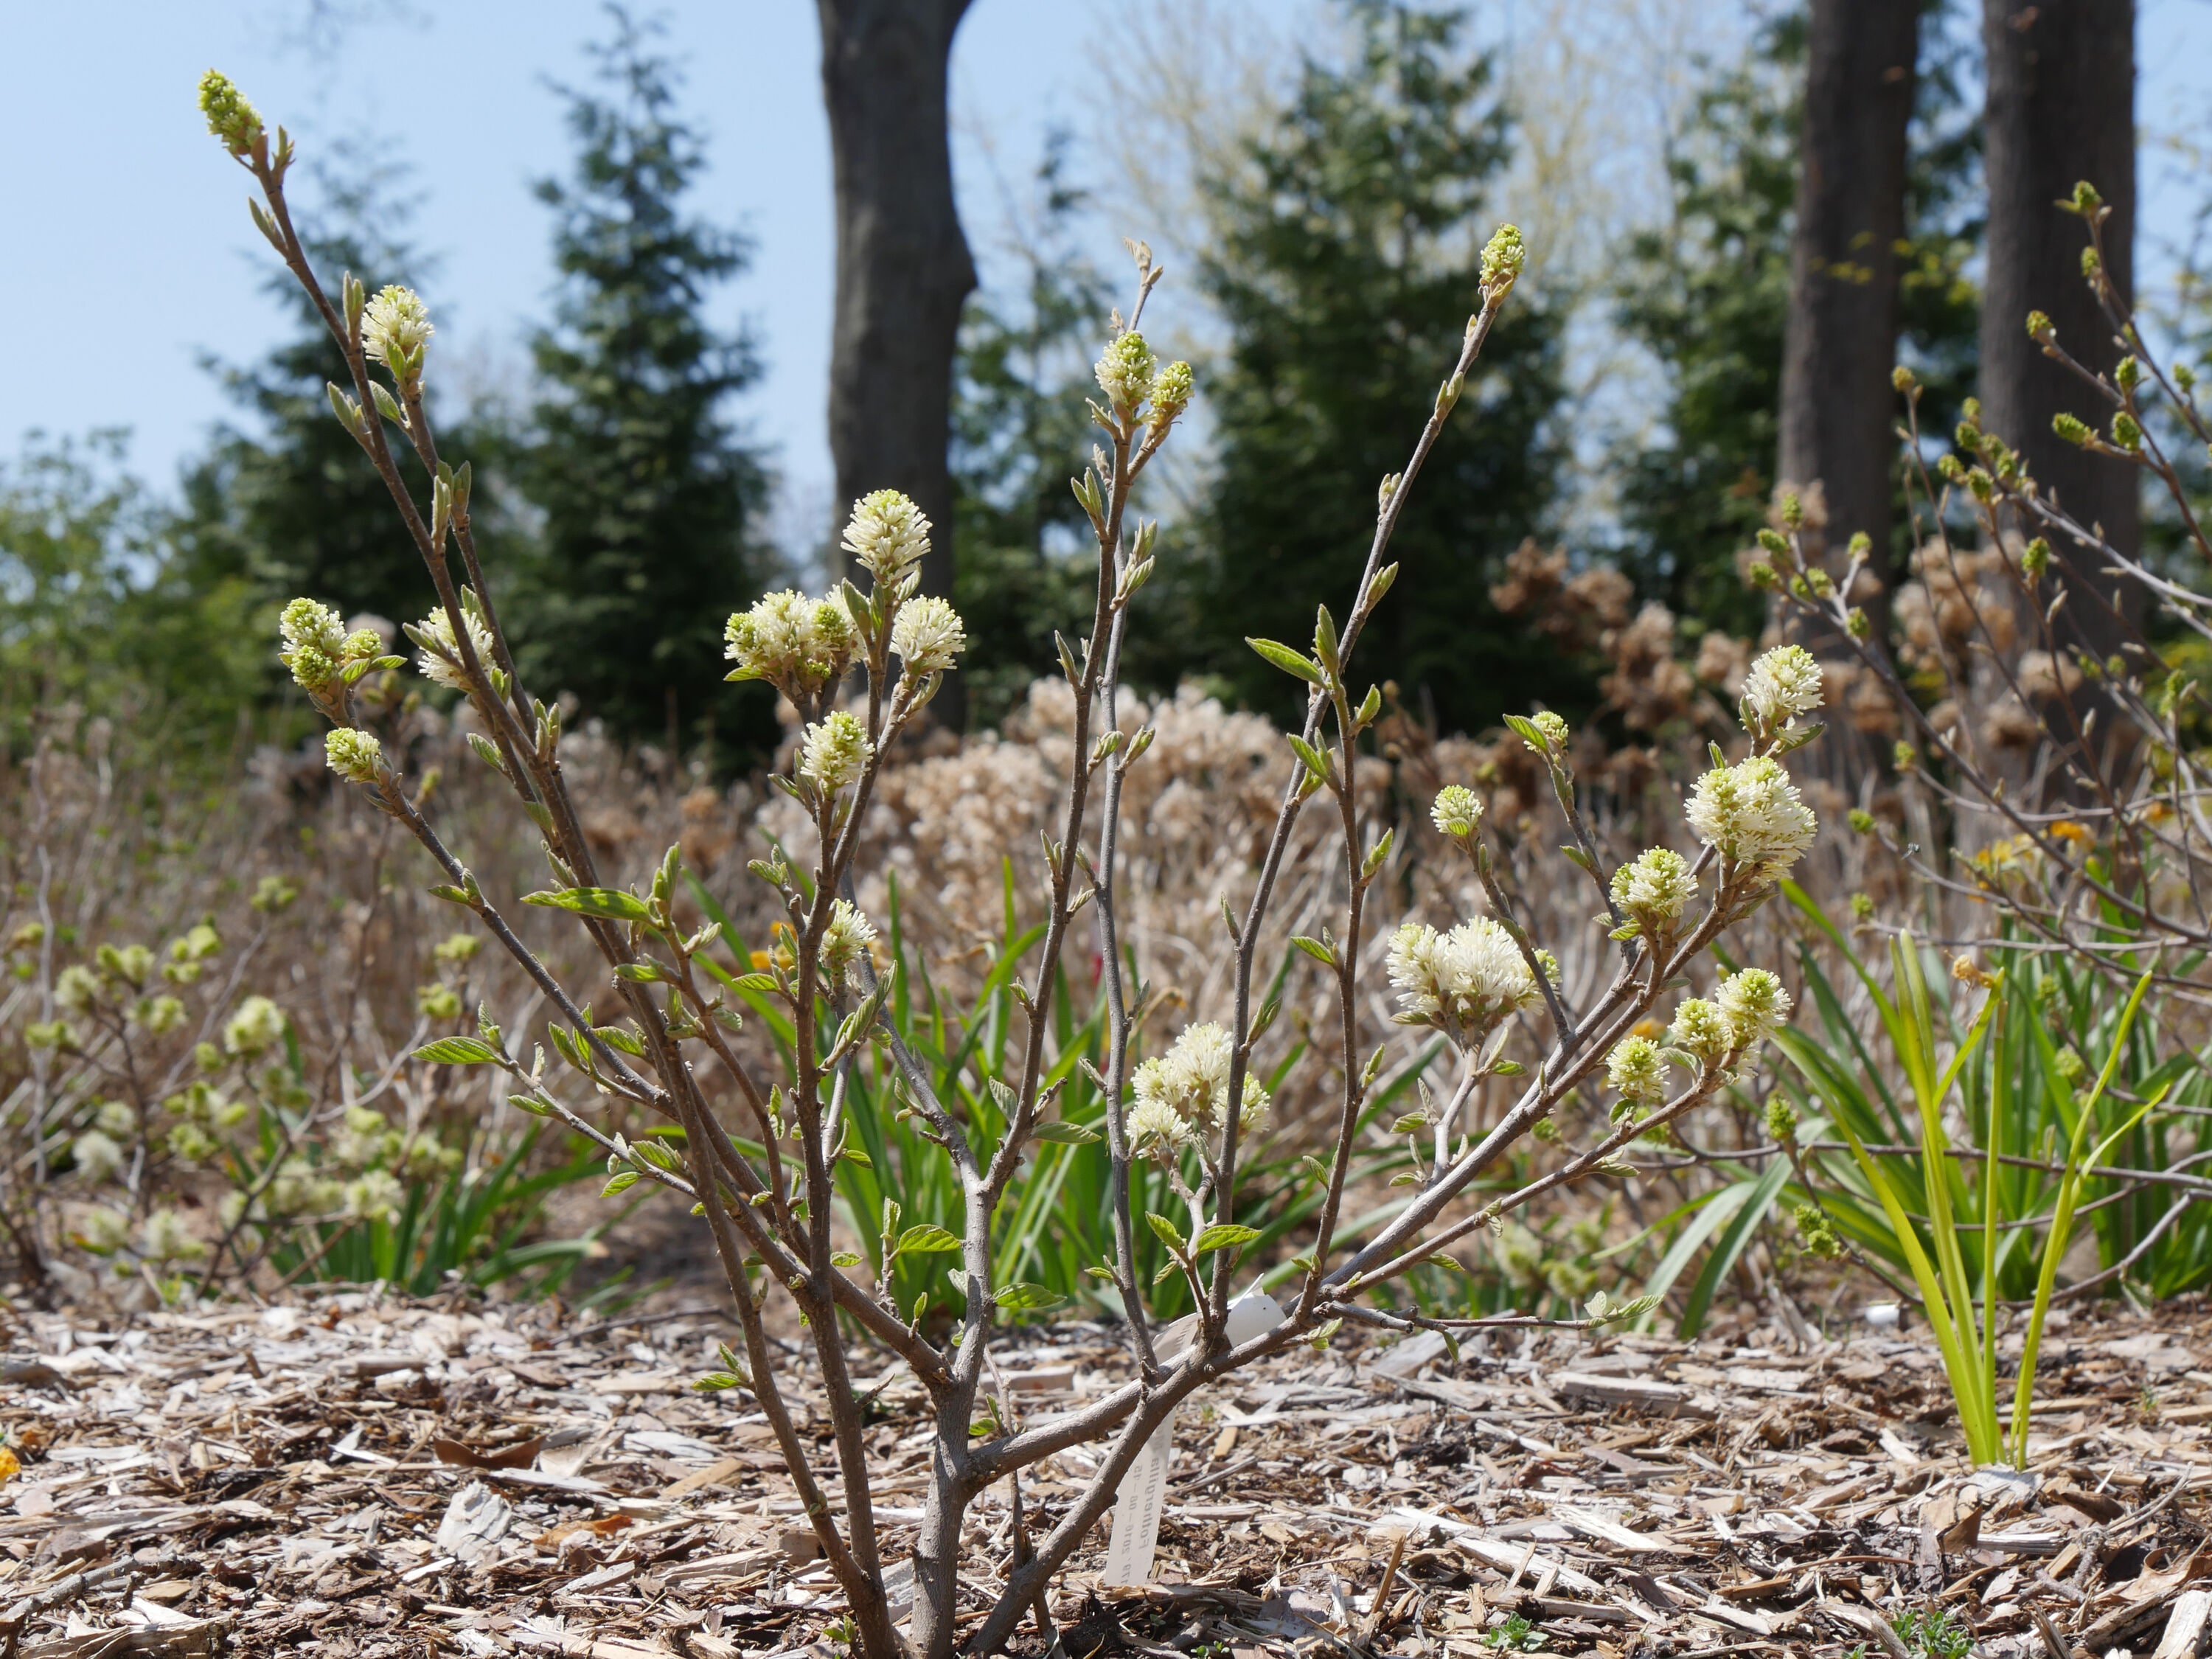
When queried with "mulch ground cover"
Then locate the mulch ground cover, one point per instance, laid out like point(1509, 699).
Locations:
point(358, 1474)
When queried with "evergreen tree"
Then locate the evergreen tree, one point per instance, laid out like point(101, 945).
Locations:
point(649, 495)
point(1345, 259)
point(1709, 297)
point(1026, 564)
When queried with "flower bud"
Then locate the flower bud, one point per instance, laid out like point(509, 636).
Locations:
point(1125, 373)
point(1793, 511)
point(1861, 821)
point(1858, 625)
point(2126, 433)
point(2128, 372)
point(1502, 259)
point(1775, 543)
point(396, 327)
point(229, 117)
point(2072, 429)
point(1903, 378)
point(1902, 757)
point(1457, 812)
point(1171, 393)
point(355, 756)
point(2040, 328)
point(1761, 574)
point(2035, 559)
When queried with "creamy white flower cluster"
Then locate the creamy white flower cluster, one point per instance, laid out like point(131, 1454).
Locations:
point(395, 325)
point(1752, 815)
point(317, 647)
point(846, 944)
point(1132, 379)
point(1782, 684)
point(1653, 891)
point(1183, 1095)
point(796, 644)
point(1749, 1006)
point(438, 654)
point(1461, 982)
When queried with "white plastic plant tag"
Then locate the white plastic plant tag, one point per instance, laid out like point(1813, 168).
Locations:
point(1143, 1492)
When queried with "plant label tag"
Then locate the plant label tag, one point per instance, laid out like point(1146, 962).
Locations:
point(1143, 1492)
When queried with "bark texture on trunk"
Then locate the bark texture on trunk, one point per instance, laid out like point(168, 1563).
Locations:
point(2061, 108)
point(903, 270)
point(1838, 408)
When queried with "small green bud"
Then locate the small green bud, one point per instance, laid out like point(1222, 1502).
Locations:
point(1125, 373)
point(2035, 559)
point(1903, 378)
point(1860, 546)
point(2086, 198)
point(1782, 1121)
point(1793, 511)
point(1501, 260)
point(1861, 821)
point(1858, 625)
point(1762, 575)
point(229, 117)
point(1953, 469)
point(357, 756)
point(2126, 433)
point(1820, 582)
point(1902, 757)
point(2129, 373)
point(2091, 265)
point(1862, 907)
point(1171, 393)
point(2040, 328)
point(2071, 429)
point(1775, 543)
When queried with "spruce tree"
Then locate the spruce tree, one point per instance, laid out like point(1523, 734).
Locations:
point(647, 493)
point(1344, 260)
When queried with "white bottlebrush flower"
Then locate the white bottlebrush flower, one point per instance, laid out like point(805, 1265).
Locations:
point(888, 534)
point(1755, 1004)
point(357, 756)
point(439, 655)
point(1782, 684)
point(257, 1027)
point(835, 751)
point(1700, 1029)
point(928, 635)
point(103, 1231)
point(395, 326)
point(374, 1195)
point(1463, 982)
point(796, 644)
point(1636, 1070)
point(1753, 816)
point(96, 1155)
point(165, 1238)
point(116, 1119)
point(76, 988)
point(1457, 812)
point(314, 639)
point(1192, 1081)
point(1125, 373)
point(1655, 886)
point(845, 944)
point(1156, 1129)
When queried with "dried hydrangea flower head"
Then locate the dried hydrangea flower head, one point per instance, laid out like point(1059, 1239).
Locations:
point(438, 655)
point(1752, 815)
point(929, 635)
point(835, 751)
point(1461, 982)
point(229, 117)
point(395, 327)
point(796, 644)
point(1782, 684)
point(887, 535)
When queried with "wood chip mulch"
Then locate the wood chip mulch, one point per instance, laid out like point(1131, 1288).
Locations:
point(358, 1474)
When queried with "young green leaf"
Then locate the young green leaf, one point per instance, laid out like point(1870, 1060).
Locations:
point(1223, 1236)
point(458, 1051)
point(602, 903)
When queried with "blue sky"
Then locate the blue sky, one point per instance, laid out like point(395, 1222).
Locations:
point(131, 257)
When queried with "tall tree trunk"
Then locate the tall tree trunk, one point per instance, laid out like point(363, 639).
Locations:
point(1838, 408)
point(2061, 102)
point(903, 270)
point(2061, 108)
